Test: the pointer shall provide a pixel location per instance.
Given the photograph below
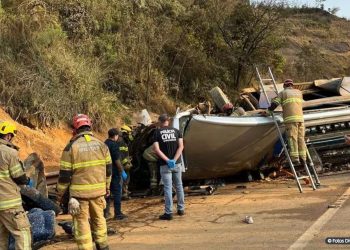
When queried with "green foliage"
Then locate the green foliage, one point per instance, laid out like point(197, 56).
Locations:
point(42, 79)
point(61, 57)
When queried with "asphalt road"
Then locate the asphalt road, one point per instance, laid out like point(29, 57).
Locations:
point(282, 216)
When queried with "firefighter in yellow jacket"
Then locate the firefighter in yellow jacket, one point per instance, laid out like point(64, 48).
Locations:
point(124, 142)
point(13, 219)
point(85, 170)
point(292, 104)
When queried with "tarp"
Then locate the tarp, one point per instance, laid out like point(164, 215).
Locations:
point(42, 227)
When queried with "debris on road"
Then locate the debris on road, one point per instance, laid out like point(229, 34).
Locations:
point(249, 220)
point(200, 190)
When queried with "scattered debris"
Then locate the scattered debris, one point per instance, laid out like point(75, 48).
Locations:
point(333, 206)
point(248, 220)
point(67, 226)
point(200, 190)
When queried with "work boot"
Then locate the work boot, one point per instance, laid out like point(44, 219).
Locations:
point(121, 217)
point(180, 212)
point(296, 162)
point(107, 215)
point(166, 217)
point(125, 197)
point(302, 161)
point(155, 191)
point(98, 247)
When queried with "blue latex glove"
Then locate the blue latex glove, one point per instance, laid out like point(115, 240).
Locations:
point(171, 163)
point(30, 183)
point(124, 176)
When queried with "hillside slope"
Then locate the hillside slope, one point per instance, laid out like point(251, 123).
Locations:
point(61, 57)
point(317, 46)
point(48, 143)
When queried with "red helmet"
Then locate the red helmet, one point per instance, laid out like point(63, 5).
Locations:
point(80, 120)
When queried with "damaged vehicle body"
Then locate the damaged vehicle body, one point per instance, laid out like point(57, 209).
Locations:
point(220, 145)
point(225, 144)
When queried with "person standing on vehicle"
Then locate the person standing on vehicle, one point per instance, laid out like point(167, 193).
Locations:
point(85, 170)
point(291, 100)
point(118, 175)
point(13, 218)
point(168, 145)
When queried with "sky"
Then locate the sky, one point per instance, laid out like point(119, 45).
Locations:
point(343, 5)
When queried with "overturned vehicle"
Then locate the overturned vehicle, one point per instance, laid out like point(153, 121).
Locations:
point(227, 143)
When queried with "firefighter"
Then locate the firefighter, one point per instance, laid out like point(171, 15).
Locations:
point(291, 100)
point(124, 143)
point(85, 170)
point(151, 157)
point(13, 218)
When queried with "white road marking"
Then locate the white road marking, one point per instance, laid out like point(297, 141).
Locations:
point(315, 228)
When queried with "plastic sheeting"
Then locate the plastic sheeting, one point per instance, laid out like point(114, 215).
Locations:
point(42, 227)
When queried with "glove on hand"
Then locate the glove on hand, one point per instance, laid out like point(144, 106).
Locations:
point(171, 163)
point(73, 206)
point(124, 176)
point(30, 183)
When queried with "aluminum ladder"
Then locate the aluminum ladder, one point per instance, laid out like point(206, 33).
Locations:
point(313, 178)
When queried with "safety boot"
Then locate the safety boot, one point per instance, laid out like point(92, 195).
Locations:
point(98, 247)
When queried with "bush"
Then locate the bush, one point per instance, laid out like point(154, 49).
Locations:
point(43, 81)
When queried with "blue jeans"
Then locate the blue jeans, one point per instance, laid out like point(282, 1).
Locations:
point(116, 191)
point(168, 177)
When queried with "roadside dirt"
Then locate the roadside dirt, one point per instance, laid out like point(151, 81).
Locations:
point(281, 214)
point(48, 143)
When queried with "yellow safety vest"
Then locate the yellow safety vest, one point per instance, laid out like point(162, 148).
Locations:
point(292, 104)
point(83, 167)
point(10, 168)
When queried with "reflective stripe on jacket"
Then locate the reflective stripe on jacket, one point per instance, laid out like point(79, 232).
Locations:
point(292, 104)
point(10, 168)
point(124, 152)
point(85, 167)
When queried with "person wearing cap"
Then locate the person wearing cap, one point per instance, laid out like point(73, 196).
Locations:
point(168, 145)
point(13, 218)
point(85, 172)
point(291, 100)
point(118, 175)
